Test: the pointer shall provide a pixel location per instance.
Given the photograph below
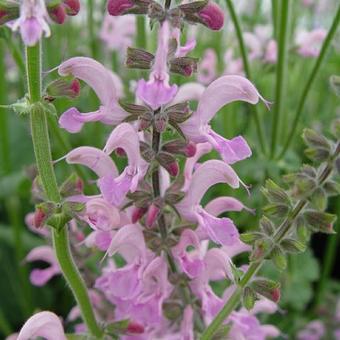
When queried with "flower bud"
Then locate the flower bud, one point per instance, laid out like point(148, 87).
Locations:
point(248, 298)
point(279, 259)
point(120, 152)
point(137, 214)
point(320, 221)
point(180, 147)
point(72, 7)
point(267, 288)
point(119, 7)
point(184, 66)
point(139, 58)
point(73, 185)
point(160, 121)
point(212, 16)
point(135, 328)
point(8, 12)
point(152, 215)
point(63, 87)
point(57, 13)
point(39, 218)
point(168, 162)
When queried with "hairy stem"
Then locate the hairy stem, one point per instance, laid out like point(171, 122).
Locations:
point(281, 72)
point(42, 151)
point(280, 234)
point(247, 71)
point(310, 81)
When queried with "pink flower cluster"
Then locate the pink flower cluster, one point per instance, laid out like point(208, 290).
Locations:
point(162, 247)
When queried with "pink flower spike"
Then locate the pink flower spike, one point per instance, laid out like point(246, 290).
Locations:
point(40, 277)
point(95, 159)
point(43, 324)
point(212, 16)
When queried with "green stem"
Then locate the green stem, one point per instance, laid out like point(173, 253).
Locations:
point(91, 28)
point(141, 32)
point(275, 16)
point(247, 71)
point(42, 150)
point(310, 81)
point(281, 72)
point(280, 234)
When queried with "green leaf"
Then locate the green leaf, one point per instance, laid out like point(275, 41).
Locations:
point(248, 298)
point(279, 258)
point(292, 246)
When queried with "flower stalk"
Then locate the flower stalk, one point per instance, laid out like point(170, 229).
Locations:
point(281, 72)
point(42, 151)
point(247, 70)
point(285, 227)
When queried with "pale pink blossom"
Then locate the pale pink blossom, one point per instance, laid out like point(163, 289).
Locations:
point(207, 67)
point(32, 21)
point(40, 277)
point(43, 324)
point(118, 32)
point(157, 91)
point(220, 92)
point(103, 83)
point(219, 230)
point(309, 43)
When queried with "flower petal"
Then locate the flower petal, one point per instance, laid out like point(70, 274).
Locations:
point(43, 324)
point(95, 159)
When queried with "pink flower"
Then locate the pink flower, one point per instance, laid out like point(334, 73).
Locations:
point(95, 159)
point(103, 83)
point(212, 16)
point(114, 189)
point(40, 277)
point(118, 32)
point(220, 92)
point(207, 67)
point(43, 324)
point(271, 52)
point(314, 330)
point(216, 267)
point(233, 66)
point(219, 230)
point(32, 21)
point(309, 43)
point(125, 283)
point(157, 91)
point(190, 262)
point(100, 215)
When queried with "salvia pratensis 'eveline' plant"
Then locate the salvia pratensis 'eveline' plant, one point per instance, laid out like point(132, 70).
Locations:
point(161, 247)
